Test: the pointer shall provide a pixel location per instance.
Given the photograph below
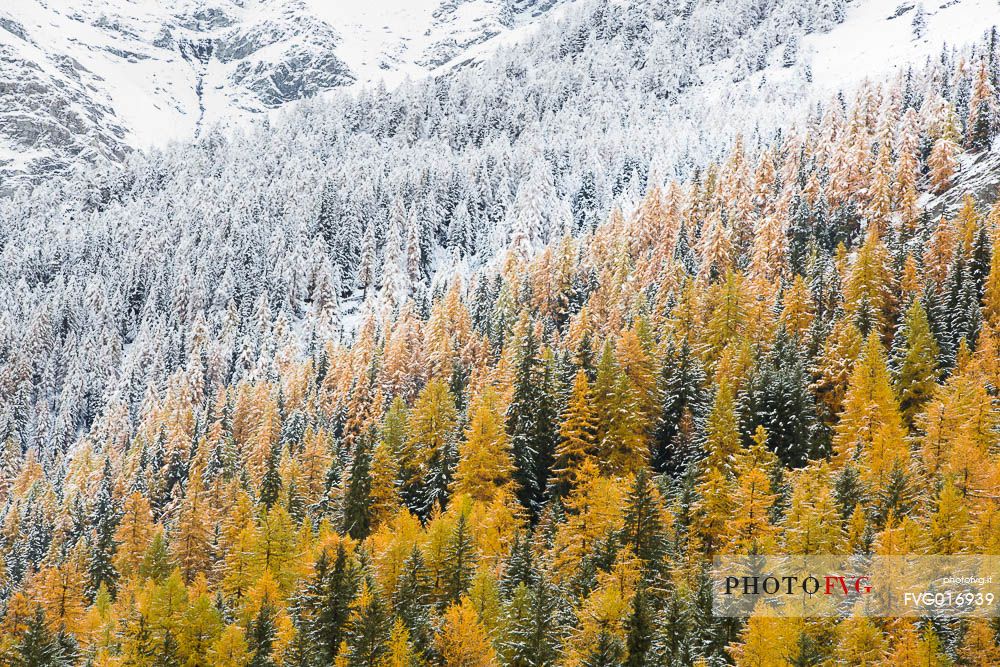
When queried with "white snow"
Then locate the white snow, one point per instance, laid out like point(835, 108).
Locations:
point(876, 42)
point(872, 44)
point(153, 93)
point(149, 91)
point(978, 175)
point(150, 94)
point(378, 36)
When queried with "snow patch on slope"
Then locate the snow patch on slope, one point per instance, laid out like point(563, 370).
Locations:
point(876, 42)
point(978, 175)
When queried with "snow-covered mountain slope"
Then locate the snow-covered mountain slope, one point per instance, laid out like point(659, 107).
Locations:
point(978, 175)
point(86, 79)
point(878, 39)
point(871, 40)
point(347, 206)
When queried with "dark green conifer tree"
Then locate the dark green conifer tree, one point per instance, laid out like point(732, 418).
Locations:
point(356, 519)
point(532, 635)
point(644, 530)
point(684, 402)
point(608, 652)
point(38, 647)
point(328, 600)
point(532, 424)
point(412, 602)
point(519, 568)
point(368, 631)
point(460, 561)
point(261, 634)
point(778, 397)
point(270, 484)
point(103, 521)
point(640, 630)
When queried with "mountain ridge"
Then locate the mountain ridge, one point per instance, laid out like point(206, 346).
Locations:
point(86, 81)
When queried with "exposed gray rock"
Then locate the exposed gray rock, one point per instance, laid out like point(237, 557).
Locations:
point(299, 75)
point(14, 28)
point(195, 60)
point(56, 120)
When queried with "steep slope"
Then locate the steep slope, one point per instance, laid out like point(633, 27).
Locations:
point(978, 175)
point(352, 206)
point(531, 465)
point(86, 80)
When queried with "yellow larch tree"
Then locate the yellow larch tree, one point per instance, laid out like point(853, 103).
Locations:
point(979, 646)
point(402, 362)
point(991, 291)
point(437, 350)
point(982, 108)
point(910, 648)
point(276, 548)
point(767, 642)
point(164, 606)
point(593, 509)
point(463, 641)
point(726, 319)
point(650, 219)
point(869, 291)
point(841, 350)
point(960, 428)
point(797, 312)
point(950, 522)
point(812, 524)
point(942, 161)
point(621, 431)
point(384, 495)
point(943, 164)
point(907, 171)
point(910, 281)
point(880, 199)
point(607, 607)
point(314, 463)
point(714, 509)
point(859, 642)
point(194, 528)
point(201, 623)
point(577, 436)
point(635, 354)
point(266, 430)
point(238, 564)
point(722, 435)
point(433, 419)
point(716, 248)
point(901, 537)
point(871, 429)
point(399, 650)
point(917, 375)
point(940, 249)
point(230, 649)
point(133, 535)
point(967, 222)
point(484, 464)
point(59, 589)
point(768, 255)
point(750, 531)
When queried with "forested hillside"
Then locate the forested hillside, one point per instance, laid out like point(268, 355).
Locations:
point(322, 410)
point(352, 205)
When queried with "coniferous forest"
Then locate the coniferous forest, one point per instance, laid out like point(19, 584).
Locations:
point(294, 438)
